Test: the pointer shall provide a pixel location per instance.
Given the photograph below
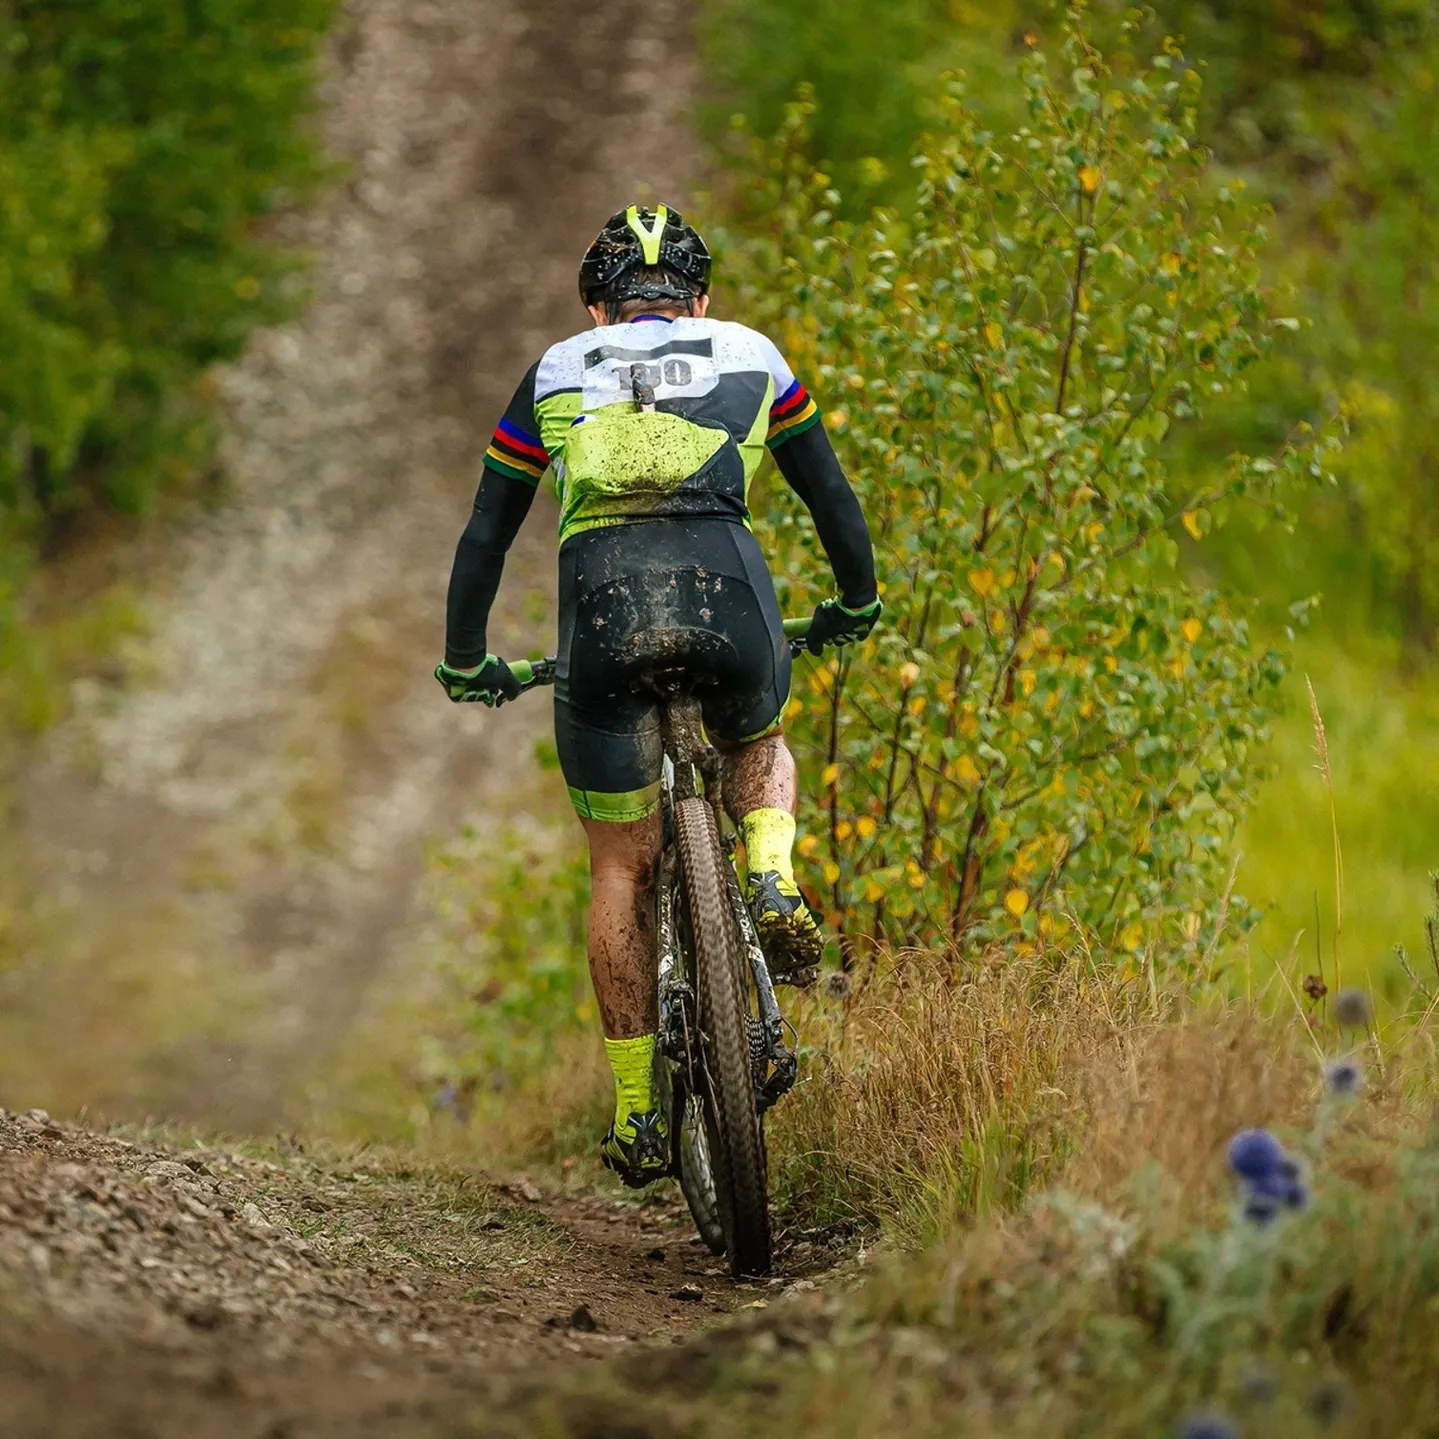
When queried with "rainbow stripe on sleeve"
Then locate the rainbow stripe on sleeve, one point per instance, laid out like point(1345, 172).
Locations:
point(791, 414)
point(512, 452)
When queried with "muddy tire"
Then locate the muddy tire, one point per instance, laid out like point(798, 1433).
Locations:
point(732, 1124)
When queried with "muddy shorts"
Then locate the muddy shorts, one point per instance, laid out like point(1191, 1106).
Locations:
point(666, 594)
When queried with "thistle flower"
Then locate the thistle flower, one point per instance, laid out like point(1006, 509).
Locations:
point(1259, 1384)
point(1254, 1153)
point(1207, 1424)
point(1343, 1078)
point(1272, 1180)
point(1353, 1009)
point(1328, 1402)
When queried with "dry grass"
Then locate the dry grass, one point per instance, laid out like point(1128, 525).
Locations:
point(1127, 1291)
point(948, 1086)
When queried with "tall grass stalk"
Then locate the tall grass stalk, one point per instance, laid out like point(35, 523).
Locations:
point(1321, 750)
point(949, 1085)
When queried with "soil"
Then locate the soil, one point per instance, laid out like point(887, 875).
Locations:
point(190, 1289)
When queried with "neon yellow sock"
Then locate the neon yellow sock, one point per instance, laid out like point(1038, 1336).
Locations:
point(768, 836)
point(633, 1063)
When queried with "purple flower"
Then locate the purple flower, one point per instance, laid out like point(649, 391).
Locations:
point(1272, 1180)
point(1255, 1153)
point(1207, 1424)
point(1353, 1009)
point(1343, 1078)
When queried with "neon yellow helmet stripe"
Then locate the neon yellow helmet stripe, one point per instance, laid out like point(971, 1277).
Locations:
point(649, 238)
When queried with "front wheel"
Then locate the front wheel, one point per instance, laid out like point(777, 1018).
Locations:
point(726, 1078)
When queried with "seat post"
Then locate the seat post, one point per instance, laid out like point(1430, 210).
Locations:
point(694, 758)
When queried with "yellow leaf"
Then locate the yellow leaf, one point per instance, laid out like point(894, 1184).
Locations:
point(1191, 523)
point(998, 622)
point(873, 891)
point(916, 879)
point(908, 674)
point(1132, 937)
point(981, 581)
point(1016, 902)
point(1192, 630)
point(831, 871)
point(1170, 263)
point(1110, 663)
point(829, 775)
point(1089, 178)
point(865, 826)
point(1190, 925)
point(1027, 680)
point(843, 830)
point(994, 333)
point(808, 845)
point(967, 770)
point(1086, 708)
point(916, 705)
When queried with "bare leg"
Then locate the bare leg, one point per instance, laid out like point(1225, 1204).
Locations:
point(761, 796)
point(759, 775)
point(624, 867)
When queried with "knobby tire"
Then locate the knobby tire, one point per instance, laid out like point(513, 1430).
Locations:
point(736, 1141)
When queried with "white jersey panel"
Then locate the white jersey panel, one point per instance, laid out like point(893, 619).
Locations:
point(597, 362)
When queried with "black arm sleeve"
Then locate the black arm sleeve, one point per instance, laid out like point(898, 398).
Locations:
point(501, 504)
point(808, 461)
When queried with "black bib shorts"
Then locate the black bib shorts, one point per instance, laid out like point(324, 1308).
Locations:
point(666, 594)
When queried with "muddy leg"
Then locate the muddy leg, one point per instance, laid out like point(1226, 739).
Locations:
point(759, 775)
point(624, 866)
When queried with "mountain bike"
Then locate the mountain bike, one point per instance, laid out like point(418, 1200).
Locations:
point(722, 1054)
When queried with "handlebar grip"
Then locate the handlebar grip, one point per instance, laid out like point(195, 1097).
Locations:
point(533, 673)
point(797, 629)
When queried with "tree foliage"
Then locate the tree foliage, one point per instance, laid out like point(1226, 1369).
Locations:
point(1051, 731)
point(140, 143)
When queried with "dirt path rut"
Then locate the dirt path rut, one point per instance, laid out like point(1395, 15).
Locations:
point(187, 1291)
point(227, 849)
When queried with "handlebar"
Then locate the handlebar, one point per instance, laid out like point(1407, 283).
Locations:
point(534, 673)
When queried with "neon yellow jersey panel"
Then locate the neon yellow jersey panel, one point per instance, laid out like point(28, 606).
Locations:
point(662, 419)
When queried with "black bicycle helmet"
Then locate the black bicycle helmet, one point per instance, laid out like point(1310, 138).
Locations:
point(639, 238)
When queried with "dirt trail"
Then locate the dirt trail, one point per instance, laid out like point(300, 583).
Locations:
point(227, 848)
point(157, 1290)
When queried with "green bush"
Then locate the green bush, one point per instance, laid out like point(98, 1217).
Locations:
point(1051, 731)
point(141, 141)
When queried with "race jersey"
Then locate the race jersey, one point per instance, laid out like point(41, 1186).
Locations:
point(651, 419)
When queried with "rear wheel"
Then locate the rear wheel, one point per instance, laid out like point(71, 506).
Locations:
point(731, 1117)
point(697, 1175)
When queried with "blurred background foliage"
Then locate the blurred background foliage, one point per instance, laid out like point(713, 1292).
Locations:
point(1324, 109)
point(143, 146)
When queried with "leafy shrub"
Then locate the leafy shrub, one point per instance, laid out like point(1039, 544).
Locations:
point(140, 143)
point(1051, 732)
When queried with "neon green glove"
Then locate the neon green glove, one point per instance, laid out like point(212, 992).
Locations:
point(490, 683)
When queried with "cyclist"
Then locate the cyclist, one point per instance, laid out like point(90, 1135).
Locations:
point(655, 421)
